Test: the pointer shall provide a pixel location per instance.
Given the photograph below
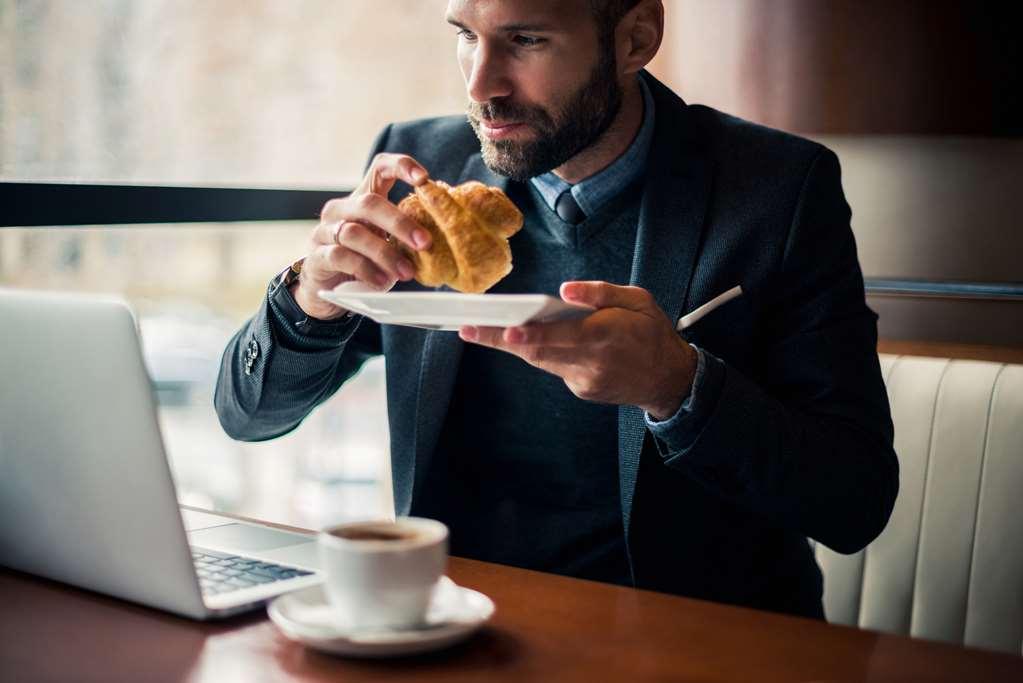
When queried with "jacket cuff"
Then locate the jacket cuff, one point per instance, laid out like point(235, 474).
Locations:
point(296, 331)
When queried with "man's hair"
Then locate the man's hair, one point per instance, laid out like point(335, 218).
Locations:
point(607, 14)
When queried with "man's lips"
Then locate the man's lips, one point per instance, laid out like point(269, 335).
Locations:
point(496, 130)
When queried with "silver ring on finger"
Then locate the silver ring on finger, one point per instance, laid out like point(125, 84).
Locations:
point(337, 233)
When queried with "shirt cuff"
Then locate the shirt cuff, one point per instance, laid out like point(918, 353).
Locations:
point(688, 405)
point(295, 330)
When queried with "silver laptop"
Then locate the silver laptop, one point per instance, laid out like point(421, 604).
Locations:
point(86, 495)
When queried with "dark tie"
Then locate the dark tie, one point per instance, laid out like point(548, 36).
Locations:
point(567, 209)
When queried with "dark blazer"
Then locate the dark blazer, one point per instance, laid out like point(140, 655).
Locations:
point(794, 438)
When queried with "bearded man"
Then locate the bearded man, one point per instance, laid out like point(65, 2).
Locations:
point(608, 448)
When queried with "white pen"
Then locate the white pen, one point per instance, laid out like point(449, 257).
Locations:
point(690, 318)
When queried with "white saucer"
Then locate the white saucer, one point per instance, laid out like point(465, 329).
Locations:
point(451, 310)
point(454, 613)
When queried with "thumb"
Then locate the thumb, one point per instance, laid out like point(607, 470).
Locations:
point(606, 295)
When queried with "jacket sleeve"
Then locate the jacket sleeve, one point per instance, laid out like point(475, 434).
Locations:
point(276, 369)
point(280, 364)
point(810, 444)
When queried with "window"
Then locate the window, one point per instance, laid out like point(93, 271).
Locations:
point(237, 92)
point(257, 93)
point(192, 287)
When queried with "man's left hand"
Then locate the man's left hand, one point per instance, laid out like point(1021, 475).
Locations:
point(627, 352)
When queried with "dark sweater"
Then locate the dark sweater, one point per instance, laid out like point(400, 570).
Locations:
point(525, 472)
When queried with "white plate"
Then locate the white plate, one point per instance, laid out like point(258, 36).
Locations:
point(451, 310)
point(454, 614)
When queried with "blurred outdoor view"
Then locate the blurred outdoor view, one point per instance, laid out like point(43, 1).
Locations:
point(253, 93)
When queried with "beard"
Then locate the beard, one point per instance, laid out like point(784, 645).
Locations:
point(560, 134)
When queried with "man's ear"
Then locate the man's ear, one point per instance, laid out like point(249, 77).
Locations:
point(638, 35)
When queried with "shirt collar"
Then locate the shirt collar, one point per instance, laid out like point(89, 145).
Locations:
point(593, 192)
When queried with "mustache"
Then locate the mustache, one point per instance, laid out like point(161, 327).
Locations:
point(504, 110)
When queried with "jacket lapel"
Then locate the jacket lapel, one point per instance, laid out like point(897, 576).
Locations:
point(438, 368)
point(438, 364)
point(475, 169)
point(668, 239)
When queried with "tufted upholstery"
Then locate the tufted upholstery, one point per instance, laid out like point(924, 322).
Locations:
point(949, 566)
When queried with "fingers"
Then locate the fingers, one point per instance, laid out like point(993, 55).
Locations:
point(373, 210)
point(332, 233)
point(354, 236)
point(326, 261)
point(550, 358)
point(386, 169)
point(595, 330)
point(362, 240)
point(606, 295)
point(369, 205)
point(357, 238)
point(561, 333)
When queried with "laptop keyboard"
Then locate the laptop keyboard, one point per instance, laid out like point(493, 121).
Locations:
point(221, 572)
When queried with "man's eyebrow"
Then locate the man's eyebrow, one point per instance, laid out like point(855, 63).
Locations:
point(529, 28)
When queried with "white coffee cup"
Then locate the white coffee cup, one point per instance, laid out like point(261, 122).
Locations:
point(382, 574)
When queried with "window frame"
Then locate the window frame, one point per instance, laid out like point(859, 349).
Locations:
point(49, 204)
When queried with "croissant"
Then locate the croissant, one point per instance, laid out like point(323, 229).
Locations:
point(470, 225)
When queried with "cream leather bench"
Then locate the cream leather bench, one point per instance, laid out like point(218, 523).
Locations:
point(949, 566)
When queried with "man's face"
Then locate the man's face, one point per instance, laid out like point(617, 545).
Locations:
point(541, 89)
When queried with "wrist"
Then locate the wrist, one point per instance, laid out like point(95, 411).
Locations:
point(676, 386)
point(312, 305)
point(292, 279)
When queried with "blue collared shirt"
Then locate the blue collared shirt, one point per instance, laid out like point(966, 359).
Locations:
point(593, 192)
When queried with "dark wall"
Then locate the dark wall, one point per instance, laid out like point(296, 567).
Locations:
point(923, 102)
point(920, 67)
point(882, 66)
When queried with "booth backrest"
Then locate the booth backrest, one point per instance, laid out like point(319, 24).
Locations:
point(949, 565)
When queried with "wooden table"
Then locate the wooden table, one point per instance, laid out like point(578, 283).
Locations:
point(547, 628)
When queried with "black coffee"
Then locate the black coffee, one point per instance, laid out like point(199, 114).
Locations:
point(375, 534)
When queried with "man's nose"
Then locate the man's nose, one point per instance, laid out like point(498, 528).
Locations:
point(488, 75)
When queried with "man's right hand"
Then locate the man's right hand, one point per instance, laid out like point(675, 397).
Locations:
point(355, 239)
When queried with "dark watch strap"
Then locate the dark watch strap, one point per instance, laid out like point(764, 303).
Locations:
point(290, 274)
